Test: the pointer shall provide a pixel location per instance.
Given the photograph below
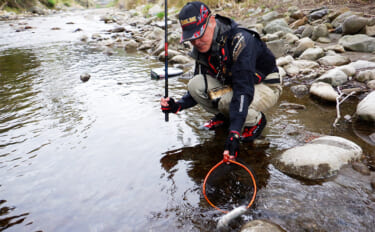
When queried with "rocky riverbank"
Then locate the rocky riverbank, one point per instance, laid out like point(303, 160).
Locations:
point(14, 10)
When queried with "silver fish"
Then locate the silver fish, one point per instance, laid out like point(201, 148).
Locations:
point(236, 212)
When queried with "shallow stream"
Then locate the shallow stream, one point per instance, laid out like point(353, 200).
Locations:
point(98, 156)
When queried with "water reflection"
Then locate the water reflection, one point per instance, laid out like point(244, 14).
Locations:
point(6, 220)
point(198, 161)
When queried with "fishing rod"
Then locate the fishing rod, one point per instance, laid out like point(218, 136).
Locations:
point(166, 53)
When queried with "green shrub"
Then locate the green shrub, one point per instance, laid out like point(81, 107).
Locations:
point(160, 15)
point(51, 3)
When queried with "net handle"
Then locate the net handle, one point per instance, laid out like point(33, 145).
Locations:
point(239, 164)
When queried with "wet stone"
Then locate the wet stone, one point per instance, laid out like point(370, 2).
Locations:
point(361, 168)
point(261, 226)
point(319, 159)
point(373, 183)
point(85, 77)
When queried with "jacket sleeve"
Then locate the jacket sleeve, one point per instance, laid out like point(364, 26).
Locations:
point(244, 50)
point(187, 101)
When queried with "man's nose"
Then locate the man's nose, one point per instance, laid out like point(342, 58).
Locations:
point(196, 42)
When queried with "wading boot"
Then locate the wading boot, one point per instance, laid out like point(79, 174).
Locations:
point(215, 122)
point(250, 133)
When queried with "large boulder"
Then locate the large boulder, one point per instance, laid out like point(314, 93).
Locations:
point(358, 43)
point(320, 159)
point(366, 108)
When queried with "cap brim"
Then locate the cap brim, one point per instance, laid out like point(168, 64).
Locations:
point(189, 35)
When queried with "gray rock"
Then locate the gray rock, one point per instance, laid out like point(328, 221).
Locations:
point(270, 16)
point(303, 44)
point(324, 91)
point(281, 61)
point(361, 168)
point(118, 30)
point(180, 59)
point(371, 85)
point(145, 45)
point(334, 77)
point(366, 108)
point(278, 47)
point(354, 24)
point(270, 37)
point(336, 47)
point(325, 40)
point(171, 54)
point(277, 25)
point(359, 43)
point(155, 34)
point(261, 226)
point(338, 21)
point(312, 54)
point(130, 45)
point(366, 75)
point(334, 60)
point(321, 158)
point(85, 77)
point(363, 64)
point(319, 31)
point(318, 14)
point(370, 30)
point(307, 32)
point(299, 90)
point(298, 66)
point(348, 69)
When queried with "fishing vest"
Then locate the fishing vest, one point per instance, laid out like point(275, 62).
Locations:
point(218, 61)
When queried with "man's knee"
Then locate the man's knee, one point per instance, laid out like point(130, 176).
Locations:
point(196, 84)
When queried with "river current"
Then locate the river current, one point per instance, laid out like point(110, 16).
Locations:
point(98, 156)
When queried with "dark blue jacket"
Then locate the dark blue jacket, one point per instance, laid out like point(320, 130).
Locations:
point(237, 57)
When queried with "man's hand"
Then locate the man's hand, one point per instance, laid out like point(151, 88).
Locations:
point(232, 145)
point(168, 105)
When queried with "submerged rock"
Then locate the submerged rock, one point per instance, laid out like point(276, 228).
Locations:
point(85, 77)
point(319, 159)
point(366, 108)
point(261, 226)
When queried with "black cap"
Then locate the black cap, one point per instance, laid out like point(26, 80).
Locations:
point(193, 19)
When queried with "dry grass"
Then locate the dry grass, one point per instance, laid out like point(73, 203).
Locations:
point(367, 6)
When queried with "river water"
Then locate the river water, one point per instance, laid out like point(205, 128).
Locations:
point(98, 156)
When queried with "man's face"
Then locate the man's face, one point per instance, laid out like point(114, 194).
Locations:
point(203, 44)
